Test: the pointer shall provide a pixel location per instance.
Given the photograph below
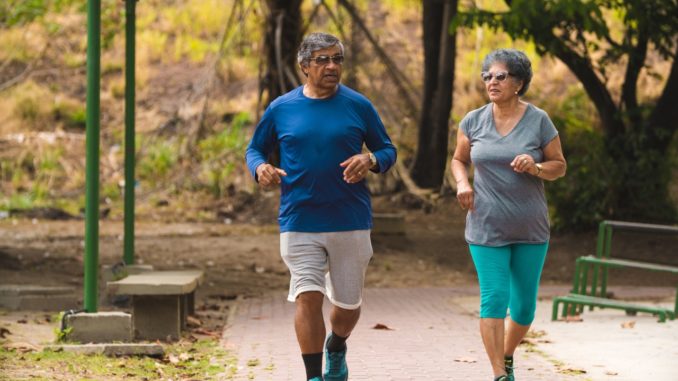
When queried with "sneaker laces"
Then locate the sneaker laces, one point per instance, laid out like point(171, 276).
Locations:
point(508, 365)
point(336, 360)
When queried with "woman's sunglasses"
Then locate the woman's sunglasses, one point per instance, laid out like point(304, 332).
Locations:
point(324, 60)
point(499, 76)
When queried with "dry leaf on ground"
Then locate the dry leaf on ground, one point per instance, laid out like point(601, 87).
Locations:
point(193, 321)
point(382, 326)
point(628, 324)
point(466, 359)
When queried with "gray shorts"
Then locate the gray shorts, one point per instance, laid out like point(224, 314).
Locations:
point(333, 263)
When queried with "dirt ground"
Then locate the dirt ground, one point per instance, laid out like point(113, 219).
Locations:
point(243, 259)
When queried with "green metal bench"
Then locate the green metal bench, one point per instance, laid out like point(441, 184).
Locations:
point(593, 296)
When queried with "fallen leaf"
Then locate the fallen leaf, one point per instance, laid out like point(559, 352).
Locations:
point(173, 359)
point(184, 356)
point(611, 373)
point(573, 318)
point(22, 321)
point(203, 331)
point(466, 359)
point(193, 322)
point(628, 324)
point(383, 326)
point(535, 333)
point(4, 332)
point(572, 371)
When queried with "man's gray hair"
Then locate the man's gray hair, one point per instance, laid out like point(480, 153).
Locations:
point(314, 42)
point(516, 62)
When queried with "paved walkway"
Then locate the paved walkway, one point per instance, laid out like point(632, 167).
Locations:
point(434, 336)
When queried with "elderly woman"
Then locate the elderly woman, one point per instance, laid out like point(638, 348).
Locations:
point(513, 146)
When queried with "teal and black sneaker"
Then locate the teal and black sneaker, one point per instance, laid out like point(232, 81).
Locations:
point(508, 365)
point(316, 379)
point(335, 365)
point(503, 377)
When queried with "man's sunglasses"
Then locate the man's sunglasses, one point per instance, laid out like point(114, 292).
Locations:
point(324, 60)
point(499, 76)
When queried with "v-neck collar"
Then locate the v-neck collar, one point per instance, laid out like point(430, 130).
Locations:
point(494, 126)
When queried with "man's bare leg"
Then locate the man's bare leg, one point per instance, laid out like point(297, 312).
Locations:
point(309, 323)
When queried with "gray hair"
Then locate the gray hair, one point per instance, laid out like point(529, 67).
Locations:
point(314, 42)
point(516, 61)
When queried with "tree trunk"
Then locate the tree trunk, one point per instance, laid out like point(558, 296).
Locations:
point(282, 39)
point(428, 168)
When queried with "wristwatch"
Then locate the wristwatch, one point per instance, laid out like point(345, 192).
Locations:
point(373, 160)
point(539, 169)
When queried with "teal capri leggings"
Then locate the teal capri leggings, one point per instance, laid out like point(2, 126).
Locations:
point(509, 277)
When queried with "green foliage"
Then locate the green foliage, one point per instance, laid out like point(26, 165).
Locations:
point(220, 153)
point(60, 335)
point(156, 160)
point(19, 12)
point(71, 114)
point(580, 200)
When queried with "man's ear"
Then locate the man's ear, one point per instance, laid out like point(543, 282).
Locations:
point(301, 66)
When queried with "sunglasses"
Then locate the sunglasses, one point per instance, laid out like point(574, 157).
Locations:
point(499, 76)
point(324, 60)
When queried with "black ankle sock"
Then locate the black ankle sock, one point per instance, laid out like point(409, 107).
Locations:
point(336, 343)
point(314, 364)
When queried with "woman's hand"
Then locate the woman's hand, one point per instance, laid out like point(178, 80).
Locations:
point(524, 163)
point(465, 195)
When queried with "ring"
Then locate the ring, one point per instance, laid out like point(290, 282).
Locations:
point(524, 160)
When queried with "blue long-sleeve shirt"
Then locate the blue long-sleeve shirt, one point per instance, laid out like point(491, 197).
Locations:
point(315, 136)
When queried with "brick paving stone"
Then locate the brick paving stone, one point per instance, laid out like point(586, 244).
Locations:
point(432, 337)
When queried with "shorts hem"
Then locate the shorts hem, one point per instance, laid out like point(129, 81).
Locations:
point(293, 297)
point(346, 306)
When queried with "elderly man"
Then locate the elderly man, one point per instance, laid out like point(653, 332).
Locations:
point(325, 213)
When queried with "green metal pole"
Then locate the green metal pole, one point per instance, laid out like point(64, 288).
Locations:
point(92, 155)
point(130, 30)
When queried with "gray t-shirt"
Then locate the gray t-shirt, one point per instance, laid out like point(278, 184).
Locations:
point(510, 207)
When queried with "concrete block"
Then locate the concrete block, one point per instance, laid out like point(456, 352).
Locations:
point(157, 317)
point(158, 283)
point(388, 223)
point(37, 298)
point(111, 273)
point(115, 349)
point(100, 327)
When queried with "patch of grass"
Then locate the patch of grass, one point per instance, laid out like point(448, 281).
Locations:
point(74, 60)
point(15, 45)
point(156, 160)
point(30, 100)
point(202, 360)
point(27, 109)
point(71, 114)
point(220, 153)
point(154, 43)
point(193, 48)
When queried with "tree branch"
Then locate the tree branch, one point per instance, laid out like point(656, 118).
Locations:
point(666, 111)
point(405, 86)
point(636, 61)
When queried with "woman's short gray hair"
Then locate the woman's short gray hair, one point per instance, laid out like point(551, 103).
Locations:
point(516, 62)
point(314, 42)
